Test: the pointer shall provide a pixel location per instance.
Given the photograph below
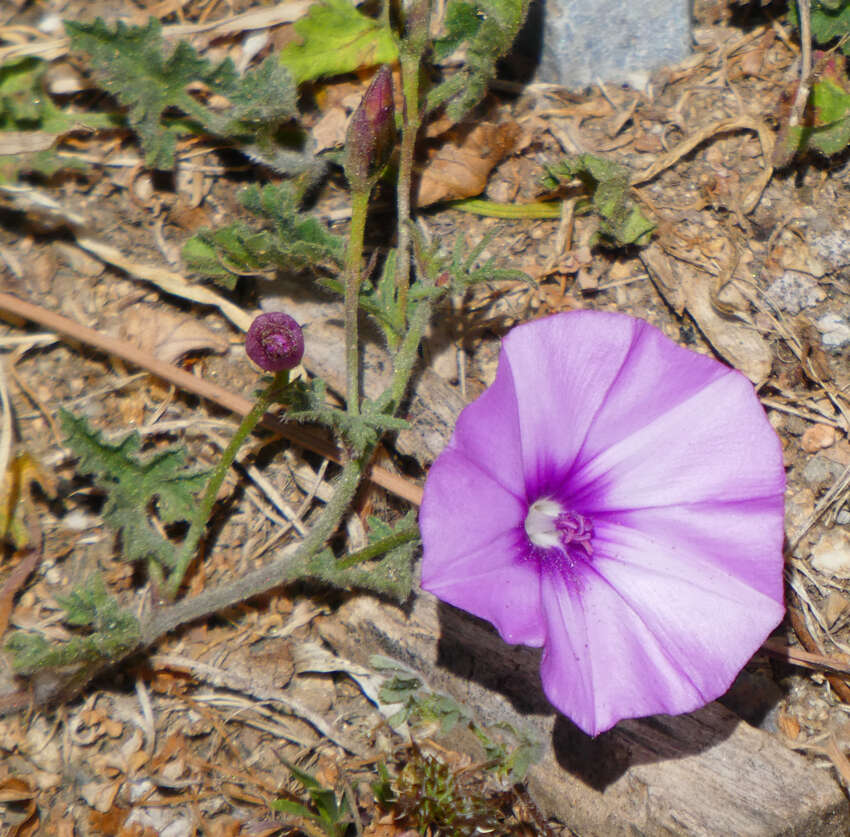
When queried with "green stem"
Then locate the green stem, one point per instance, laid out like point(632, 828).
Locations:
point(353, 259)
point(265, 578)
point(201, 518)
point(379, 547)
point(410, 129)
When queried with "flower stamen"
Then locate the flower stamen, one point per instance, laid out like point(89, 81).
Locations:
point(550, 526)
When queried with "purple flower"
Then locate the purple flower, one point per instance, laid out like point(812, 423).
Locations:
point(275, 342)
point(618, 500)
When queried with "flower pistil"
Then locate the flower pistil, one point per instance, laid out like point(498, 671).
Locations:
point(557, 533)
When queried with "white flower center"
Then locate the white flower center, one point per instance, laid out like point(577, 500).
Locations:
point(550, 526)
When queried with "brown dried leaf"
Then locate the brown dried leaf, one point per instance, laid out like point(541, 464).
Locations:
point(170, 336)
point(736, 342)
point(460, 168)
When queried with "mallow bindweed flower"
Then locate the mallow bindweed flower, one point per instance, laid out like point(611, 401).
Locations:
point(617, 500)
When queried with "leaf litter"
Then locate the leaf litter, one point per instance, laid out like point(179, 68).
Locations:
point(200, 728)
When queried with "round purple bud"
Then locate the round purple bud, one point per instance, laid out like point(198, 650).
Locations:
point(275, 342)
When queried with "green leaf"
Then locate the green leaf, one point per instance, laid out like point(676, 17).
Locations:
point(462, 22)
point(292, 240)
point(499, 24)
point(136, 487)
point(26, 106)
point(115, 631)
point(337, 38)
point(607, 185)
point(331, 815)
point(131, 64)
point(826, 128)
point(830, 19)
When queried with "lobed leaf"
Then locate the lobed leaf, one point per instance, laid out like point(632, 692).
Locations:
point(293, 241)
point(336, 38)
point(135, 487)
point(131, 64)
point(607, 186)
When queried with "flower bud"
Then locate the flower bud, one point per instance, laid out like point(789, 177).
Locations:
point(371, 132)
point(275, 342)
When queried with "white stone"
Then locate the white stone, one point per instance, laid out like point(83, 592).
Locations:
point(831, 554)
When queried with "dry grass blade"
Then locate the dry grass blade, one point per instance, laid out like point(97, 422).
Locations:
point(238, 404)
point(50, 48)
point(724, 126)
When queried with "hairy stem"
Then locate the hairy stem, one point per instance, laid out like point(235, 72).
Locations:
point(353, 260)
point(381, 546)
point(409, 132)
point(202, 516)
point(266, 578)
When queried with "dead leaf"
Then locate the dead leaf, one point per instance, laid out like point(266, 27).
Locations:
point(461, 166)
point(665, 276)
point(170, 336)
point(329, 131)
point(736, 342)
point(18, 809)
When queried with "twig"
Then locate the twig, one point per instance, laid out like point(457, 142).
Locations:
point(300, 435)
point(804, 13)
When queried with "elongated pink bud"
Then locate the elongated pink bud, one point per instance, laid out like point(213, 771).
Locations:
point(371, 132)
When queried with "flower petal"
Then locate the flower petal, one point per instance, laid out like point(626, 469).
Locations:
point(707, 620)
point(562, 368)
point(656, 376)
point(716, 445)
point(487, 432)
point(600, 662)
point(472, 551)
point(740, 538)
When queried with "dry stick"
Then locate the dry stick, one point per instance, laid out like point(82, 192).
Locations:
point(238, 404)
point(798, 623)
point(779, 649)
point(804, 13)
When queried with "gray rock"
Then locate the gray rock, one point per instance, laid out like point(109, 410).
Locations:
point(833, 246)
point(835, 330)
point(794, 291)
point(820, 471)
point(585, 41)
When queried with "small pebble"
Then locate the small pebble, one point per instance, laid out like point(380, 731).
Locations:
point(835, 330)
point(818, 437)
point(794, 291)
point(821, 470)
point(834, 607)
point(831, 554)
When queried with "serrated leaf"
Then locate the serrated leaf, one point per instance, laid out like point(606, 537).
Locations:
point(294, 241)
point(131, 64)
point(462, 22)
point(500, 22)
point(337, 38)
point(135, 486)
point(114, 632)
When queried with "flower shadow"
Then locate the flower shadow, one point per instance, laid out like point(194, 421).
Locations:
point(504, 685)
